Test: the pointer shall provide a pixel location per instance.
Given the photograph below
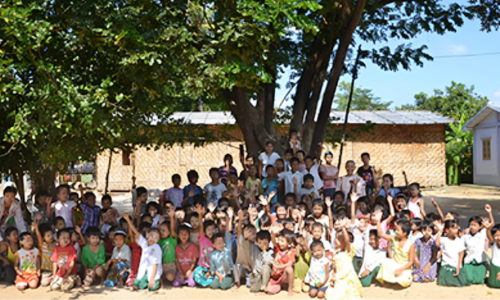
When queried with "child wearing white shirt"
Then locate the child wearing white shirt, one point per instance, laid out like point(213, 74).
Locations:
point(150, 266)
point(451, 272)
point(372, 258)
point(214, 190)
point(493, 233)
point(475, 258)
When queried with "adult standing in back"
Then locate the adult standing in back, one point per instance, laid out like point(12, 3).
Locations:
point(268, 157)
point(227, 169)
point(329, 173)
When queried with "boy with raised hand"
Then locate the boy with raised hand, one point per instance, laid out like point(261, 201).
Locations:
point(150, 266)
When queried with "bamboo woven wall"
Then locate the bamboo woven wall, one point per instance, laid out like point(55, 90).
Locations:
point(417, 149)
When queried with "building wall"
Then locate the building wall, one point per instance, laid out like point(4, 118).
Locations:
point(486, 172)
point(417, 149)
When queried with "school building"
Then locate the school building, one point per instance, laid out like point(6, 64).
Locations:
point(413, 141)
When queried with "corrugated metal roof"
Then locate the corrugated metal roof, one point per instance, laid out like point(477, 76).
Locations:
point(480, 116)
point(355, 117)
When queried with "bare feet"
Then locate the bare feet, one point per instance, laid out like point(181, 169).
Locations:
point(291, 293)
point(135, 287)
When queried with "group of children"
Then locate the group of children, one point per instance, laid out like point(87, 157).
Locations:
point(328, 244)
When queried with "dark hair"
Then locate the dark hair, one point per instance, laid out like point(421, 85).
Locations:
point(155, 229)
point(308, 177)
point(450, 223)
point(264, 221)
point(9, 230)
point(264, 235)
point(433, 216)
point(190, 215)
point(60, 232)
point(199, 199)
point(218, 235)
point(308, 157)
point(288, 221)
point(301, 151)
point(426, 224)
point(401, 196)
point(269, 167)
point(476, 219)
point(141, 190)
point(374, 233)
point(317, 225)
point(22, 235)
point(39, 195)
point(176, 176)
point(309, 221)
point(59, 218)
point(92, 230)
point(292, 131)
point(223, 199)
point(61, 186)
point(152, 204)
point(316, 244)
point(73, 194)
point(454, 214)
point(108, 197)
point(338, 193)
point(417, 222)
point(391, 178)
point(365, 154)
point(318, 202)
point(228, 157)
point(350, 161)
point(212, 170)
point(289, 151)
point(405, 226)
point(10, 189)
point(291, 195)
point(289, 235)
point(416, 184)
point(192, 175)
point(44, 228)
point(269, 142)
point(294, 159)
point(87, 195)
point(494, 229)
point(341, 208)
point(144, 227)
point(328, 153)
point(207, 224)
point(183, 227)
point(401, 216)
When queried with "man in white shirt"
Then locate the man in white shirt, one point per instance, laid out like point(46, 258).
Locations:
point(312, 167)
point(268, 157)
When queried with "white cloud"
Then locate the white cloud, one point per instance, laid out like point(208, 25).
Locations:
point(497, 94)
point(458, 49)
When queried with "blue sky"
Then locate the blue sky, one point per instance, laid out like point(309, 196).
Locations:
point(400, 87)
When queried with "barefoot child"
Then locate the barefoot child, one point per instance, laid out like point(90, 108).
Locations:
point(282, 273)
point(373, 257)
point(207, 231)
point(221, 259)
point(27, 264)
point(150, 267)
point(426, 253)
point(186, 258)
point(167, 243)
point(120, 261)
point(63, 208)
point(494, 239)
point(93, 257)
point(47, 244)
point(398, 269)
point(63, 263)
point(319, 271)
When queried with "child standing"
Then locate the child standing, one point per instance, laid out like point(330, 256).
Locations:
point(175, 193)
point(451, 272)
point(373, 257)
point(282, 272)
point(150, 267)
point(221, 259)
point(398, 269)
point(271, 184)
point(475, 258)
point(319, 271)
point(318, 207)
point(215, 189)
point(186, 257)
point(63, 208)
point(93, 257)
point(415, 204)
point(47, 244)
point(425, 256)
point(347, 285)
point(120, 261)
point(91, 212)
point(206, 233)
point(27, 263)
point(168, 242)
point(253, 183)
point(309, 188)
point(63, 262)
point(191, 189)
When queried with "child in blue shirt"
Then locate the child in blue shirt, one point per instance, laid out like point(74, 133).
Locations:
point(221, 259)
point(270, 184)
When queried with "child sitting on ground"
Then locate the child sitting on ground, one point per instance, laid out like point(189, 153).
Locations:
point(93, 257)
point(150, 267)
point(426, 255)
point(319, 271)
point(284, 249)
point(221, 259)
point(168, 242)
point(64, 263)
point(373, 257)
point(207, 231)
point(27, 263)
point(46, 243)
point(186, 257)
point(120, 261)
point(261, 272)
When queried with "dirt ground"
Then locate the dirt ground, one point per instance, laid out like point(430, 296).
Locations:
point(465, 192)
point(416, 291)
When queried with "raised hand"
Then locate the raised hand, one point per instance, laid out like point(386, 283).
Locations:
point(126, 217)
point(199, 209)
point(78, 229)
point(434, 202)
point(487, 208)
point(439, 226)
point(211, 207)
point(328, 201)
point(191, 192)
point(389, 199)
point(294, 181)
point(263, 200)
point(230, 212)
point(354, 197)
point(48, 200)
point(241, 214)
point(171, 214)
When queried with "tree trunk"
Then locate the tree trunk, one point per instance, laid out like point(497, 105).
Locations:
point(19, 181)
point(108, 171)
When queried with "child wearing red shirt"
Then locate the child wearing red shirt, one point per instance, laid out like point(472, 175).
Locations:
point(284, 259)
point(64, 262)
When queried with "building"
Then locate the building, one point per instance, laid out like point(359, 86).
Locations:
point(413, 141)
point(485, 125)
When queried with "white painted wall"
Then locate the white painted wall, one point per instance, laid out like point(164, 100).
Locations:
point(487, 172)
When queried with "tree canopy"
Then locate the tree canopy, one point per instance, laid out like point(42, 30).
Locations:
point(362, 99)
point(78, 77)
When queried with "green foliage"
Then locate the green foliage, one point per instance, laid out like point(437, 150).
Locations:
point(362, 99)
point(459, 103)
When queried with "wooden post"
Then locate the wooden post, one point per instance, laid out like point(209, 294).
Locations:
point(107, 173)
point(348, 108)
